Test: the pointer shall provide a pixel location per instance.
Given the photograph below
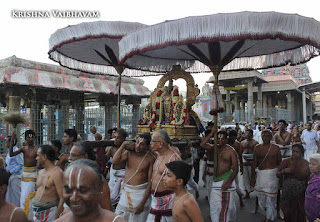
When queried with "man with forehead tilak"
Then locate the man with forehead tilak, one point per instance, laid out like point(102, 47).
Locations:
point(134, 204)
point(161, 197)
point(222, 198)
point(81, 191)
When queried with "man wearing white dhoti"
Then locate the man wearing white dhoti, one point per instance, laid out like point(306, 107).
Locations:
point(267, 158)
point(222, 201)
point(29, 171)
point(310, 141)
point(14, 167)
point(248, 145)
point(134, 204)
point(117, 171)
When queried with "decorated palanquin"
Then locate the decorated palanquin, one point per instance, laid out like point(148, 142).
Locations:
point(168, 110)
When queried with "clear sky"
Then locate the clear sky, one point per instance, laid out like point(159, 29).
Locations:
point(28, 38)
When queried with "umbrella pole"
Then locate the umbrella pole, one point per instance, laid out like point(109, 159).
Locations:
point(119, 95)
point(215, 70)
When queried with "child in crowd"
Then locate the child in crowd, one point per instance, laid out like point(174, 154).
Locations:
point(184, 207)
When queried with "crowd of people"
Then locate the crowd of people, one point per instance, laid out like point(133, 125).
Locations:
point(150, 179)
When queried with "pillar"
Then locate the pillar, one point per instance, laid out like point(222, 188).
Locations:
point(136, 117)
point(108, 110)
point(51, 123)
point(228, 110)
point(79, 108)
point(265, 106)
point(290, 106)
point(63, 117)
point(259, 102)
point(242, 110)
point(250, 101)
point(304, 106)
point(36, 121)
point(236, 108)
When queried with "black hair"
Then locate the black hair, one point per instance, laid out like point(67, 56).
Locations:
point(233, 133)
point(4, 177)
point(210, 123)
point(86, 149)
point(72, 133)
point(49, 152)
point(122, 132)
point(223, 133)
point(250, 130)
point(115, 129)
point(282, 121)
point(299, 145)
point(57, 144)
point(181, 170)
point(29, 132)
point(146, 136)
point(110, 131)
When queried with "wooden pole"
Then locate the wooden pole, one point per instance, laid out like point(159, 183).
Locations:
point(215, 70)
point(119, 100)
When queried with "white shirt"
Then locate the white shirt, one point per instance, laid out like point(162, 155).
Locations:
point(310, 138)
point(91, 137)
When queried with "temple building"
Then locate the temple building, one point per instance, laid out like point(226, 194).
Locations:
point(56, 98)
point(251, 96)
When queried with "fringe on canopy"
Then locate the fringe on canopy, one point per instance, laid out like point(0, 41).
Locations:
point(111, 29)
point(302, 34)
point(94, 30)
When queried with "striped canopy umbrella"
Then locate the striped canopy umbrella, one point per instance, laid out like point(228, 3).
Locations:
point(230, 41)
point(93, 47)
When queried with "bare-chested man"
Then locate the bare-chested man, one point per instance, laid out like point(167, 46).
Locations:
point(267, 158)
point(161, 197)
point(70, 136)
point(81, 192)
point(62, 159)
point(248, 145)
point(232, 141)
point(8, 211)
point(282, 138)
point(223, 186)
point(29, 171)
point(185, 207)
point(48, 202)
point(117, 171)
point(134, 204)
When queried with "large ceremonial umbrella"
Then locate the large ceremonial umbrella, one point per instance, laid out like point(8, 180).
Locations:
point(93, 47)
point(230, 41)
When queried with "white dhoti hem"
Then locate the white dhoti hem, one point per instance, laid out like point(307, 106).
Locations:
point(192, 185)
point(209, 180)
point(161, 207)
point(14, 190)
point(222, 203)
point(28, 185)
point(116, 179)
point(131, 197)
point(267, 190)
point(308, 153)
point(246, 178)
point(44, 215)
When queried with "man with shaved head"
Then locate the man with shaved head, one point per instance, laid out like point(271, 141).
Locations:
point(81, 192)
